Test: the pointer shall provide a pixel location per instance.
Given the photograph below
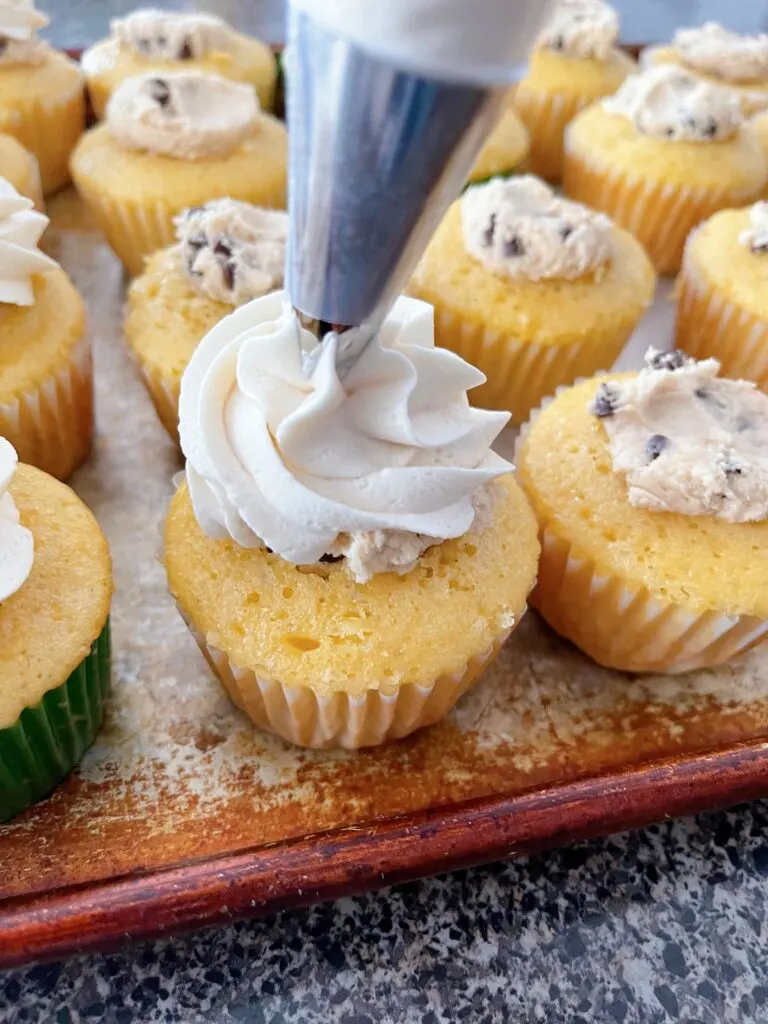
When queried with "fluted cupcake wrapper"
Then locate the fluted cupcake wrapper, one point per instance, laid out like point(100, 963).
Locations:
point(165, 398)
point(308, 719)
point(708, 325)
point(134, 231)
point(33, 185)
point(51, 426)
point(48, 740)
point(546, 116)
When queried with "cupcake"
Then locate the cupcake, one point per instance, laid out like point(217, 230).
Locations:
point(651, 492)
point(150, 40)
point(55, 592)
point(575, 63)
point(20, 168)
point(722, 293)
point(505, 149)
point(335, 527)
point(173, 142)
point(726, 58)
point(662, 155)
point(227, 254)
point(46, 392)
point(532, 289)
point(42, 95)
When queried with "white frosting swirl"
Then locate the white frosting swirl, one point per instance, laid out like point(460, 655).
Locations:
point(185, 114)
point(167, 35)
point(667, 102)
point(17, 545)
point(299, 462)
point(19, 25)
point(716, 51)
point(756, 235)
point(583, 29)
point(20, 229)
point(519, 227)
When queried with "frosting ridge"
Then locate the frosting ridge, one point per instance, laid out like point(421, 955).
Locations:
point(17, 545)
point(20, 229)
point(583, 29)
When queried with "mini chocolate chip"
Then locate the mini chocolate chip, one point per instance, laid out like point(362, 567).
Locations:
point(229, 272)
point(197, 241)
point(558, 43)
point(490, 231)
point(731, 467)
point(223, 248)
point(710, 128)
point(330, 559)
point(669, 132)
point(269, 551)
point(143, 44)
point(668, 360)
point(566, 232)
point(185, 53)
point(606, 401)
point(514, 247)
point(655, 445)
point(161, 41)
point(160, 92)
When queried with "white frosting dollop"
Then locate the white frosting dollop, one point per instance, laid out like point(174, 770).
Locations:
point(19, 25)
point(519, 227)
point(756, 235)
point(688, 441)
point(17, 545)
point(729, 55)
point(20, 229)
point(168, 35)
point(301, 461)
point(667, 102)
point(184, 114)
point(232, 251)
point(583, 29)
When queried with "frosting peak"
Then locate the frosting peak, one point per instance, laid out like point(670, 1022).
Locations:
point(19, 25)
point(584, 29)
point(667, 102)
point(185, 114)
point(167, 35)
point(713, 49)
point(756, 235)
point(301, 461)
point(20, 229)
point(232, 251)
point(519, 227)
point(17, 546)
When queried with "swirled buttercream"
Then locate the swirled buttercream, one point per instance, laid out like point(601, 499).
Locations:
point(17, 546)
point(20, 229)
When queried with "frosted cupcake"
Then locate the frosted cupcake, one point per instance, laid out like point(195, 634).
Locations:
point(722, 293)
point(55, 592)
point(46, 393)
point(42, 93)
point(575, 63)
point(333, 530)
point(227, 254)
point(171, 142)
point(20, 168)
point(725, 58)
point(651, 492)
point(663, 154)
point(151, 40)
point(532, 289)
point(506, 148)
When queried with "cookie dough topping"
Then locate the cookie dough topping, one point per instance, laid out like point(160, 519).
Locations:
point(184, 114)
point(583, 29)
point(17, 546)
point(20, 259)
point(688, 441)
point(232, 251)
point(164, 35)
point(375, 467)
point(667, 102)
point(520, 228)
point(19, 25)
point(755, 237)
point(728, 55)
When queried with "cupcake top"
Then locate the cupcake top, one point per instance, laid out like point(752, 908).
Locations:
point(17, 546)
point(582, 29)
point(165, 35)
point(373, 467)
point(716, 51)
point(232, 251)
point(755, 238)
point(189, 115)
point(667, 102)
point(688, 441)
point(19, 25)
point(519, 227)
point(20, 229)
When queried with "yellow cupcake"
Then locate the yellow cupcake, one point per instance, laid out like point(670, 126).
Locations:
point(21, 169)
point(55, 593)
point(636, 587)
point(46, 391)
point(760, 127)
point(575, 64)
point(531, 326)
point(203, 137)
point(690, 156)
point(228, 253)
point(505, 149)
point(722, 293)
point(162, 41)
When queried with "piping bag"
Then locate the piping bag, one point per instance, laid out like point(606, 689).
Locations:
point(388, 104)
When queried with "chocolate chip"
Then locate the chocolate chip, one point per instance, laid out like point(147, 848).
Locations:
point(490, 231)
point(655, 445)
point(705, 395)
point(197, 241)
point(668, 360)
point(161, 41)
point(185, 53)
point(330, 559)
point(710, 128)
point(669, 132)
point(229, 273)
point(566, 232)
point(160, 92)
point(606, 401)
point(514, 247)
point(223, 248)
point(558, 43)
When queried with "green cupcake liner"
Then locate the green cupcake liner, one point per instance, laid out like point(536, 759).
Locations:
point(47, 740)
